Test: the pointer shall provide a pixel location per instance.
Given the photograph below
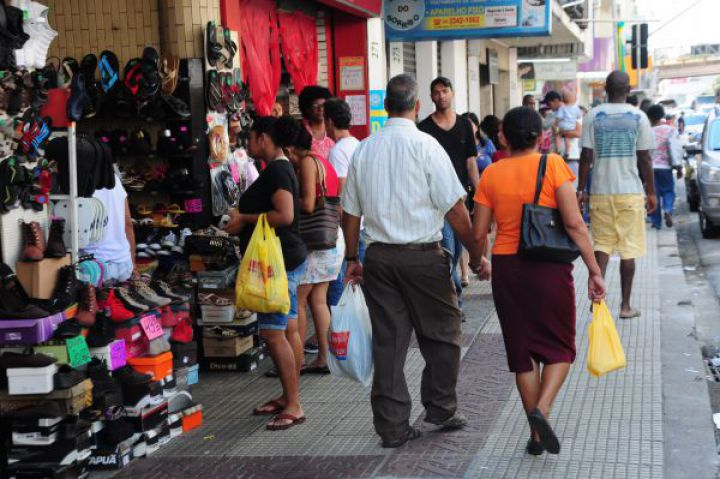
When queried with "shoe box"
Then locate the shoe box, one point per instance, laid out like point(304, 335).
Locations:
point(23, 470)
point(28, 331)
point(35, 432)
point(187, 376)
point(54, 349)
point(173, 314)
point(217, 314)
point(38, 278)
point(110, 460)
point(214, 280)
point(114, 354)
point(192, 418)
point(243, 327)
point(136, 342)
point(160, 366)
point(184, 354)
point(149, 417)
point(71, 401)
point(244, 363)
point(23, 381)
point(225, 347)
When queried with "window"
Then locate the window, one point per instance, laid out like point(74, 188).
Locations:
point(714, 136)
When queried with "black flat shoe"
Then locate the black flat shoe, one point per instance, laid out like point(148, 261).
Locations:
point(534, 448)
point(548, 439)
point(410, 434)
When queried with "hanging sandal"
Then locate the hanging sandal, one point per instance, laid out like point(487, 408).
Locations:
point(169, 73)
point(109, 70)
point(214, 93)
point(231, 47)
point(214, 48)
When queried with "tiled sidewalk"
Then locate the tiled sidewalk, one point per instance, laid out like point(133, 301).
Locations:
point(609, 427)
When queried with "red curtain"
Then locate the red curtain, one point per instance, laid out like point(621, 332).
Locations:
point(261, 52)
point(299, 42)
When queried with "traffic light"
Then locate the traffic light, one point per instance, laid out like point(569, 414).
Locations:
point(639, 36)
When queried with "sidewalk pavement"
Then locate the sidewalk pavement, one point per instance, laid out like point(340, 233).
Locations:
point(611, 427)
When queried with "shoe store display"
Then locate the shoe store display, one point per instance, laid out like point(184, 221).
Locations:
point(129, 300)
point(147, 293)
point(14, 301)
point(66, 290)
point(119, 312)
point(164, 289)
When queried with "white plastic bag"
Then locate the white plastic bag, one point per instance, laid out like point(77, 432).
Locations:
point(350, 338)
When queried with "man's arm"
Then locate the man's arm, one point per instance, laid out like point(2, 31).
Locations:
point(351, 230)
point(586, 157)
point(473, 172)
point(644, 163)
point(459, 220)
point(130, 232)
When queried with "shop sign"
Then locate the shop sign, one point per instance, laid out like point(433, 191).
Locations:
point(352, 73)
point(358, 109)
point(415, 20)
point(529, 85)
point(551, 71)
point(378, 115)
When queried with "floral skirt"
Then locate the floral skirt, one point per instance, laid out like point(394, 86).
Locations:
point(324, 265)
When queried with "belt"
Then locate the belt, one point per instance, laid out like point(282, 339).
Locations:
point(410, 247)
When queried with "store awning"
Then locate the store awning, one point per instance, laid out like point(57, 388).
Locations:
point(363, 8)
point(564, 32)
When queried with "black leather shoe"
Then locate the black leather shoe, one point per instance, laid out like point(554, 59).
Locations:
point(548, 439)
point(409, 435)
point(534, 448)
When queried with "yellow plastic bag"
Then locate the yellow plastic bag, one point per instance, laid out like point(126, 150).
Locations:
point(262, 284)
point(605, 353)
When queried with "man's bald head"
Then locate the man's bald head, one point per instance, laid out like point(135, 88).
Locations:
point(617, 85)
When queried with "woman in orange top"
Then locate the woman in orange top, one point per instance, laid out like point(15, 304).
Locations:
point(535, 300)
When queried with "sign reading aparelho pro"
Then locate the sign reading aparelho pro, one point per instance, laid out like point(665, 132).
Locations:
point(415, 20)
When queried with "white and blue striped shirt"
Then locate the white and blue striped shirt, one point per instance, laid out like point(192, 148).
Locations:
point(403, 183)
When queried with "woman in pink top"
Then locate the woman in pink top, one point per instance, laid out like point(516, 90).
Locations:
point(311, 102)
point(323, 266)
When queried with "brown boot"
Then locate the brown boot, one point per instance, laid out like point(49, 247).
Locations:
point(88, 306)
point(33, 242)
point(56, 245)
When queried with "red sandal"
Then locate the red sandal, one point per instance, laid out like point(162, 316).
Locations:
point(287, 417)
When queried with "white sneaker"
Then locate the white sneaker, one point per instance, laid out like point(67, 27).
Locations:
point(169, 240)
point(180, 246)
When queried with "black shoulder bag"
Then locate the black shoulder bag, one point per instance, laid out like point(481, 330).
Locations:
point(319, 229)
point(542, 233)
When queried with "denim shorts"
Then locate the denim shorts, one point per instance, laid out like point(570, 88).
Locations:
point(279, 321)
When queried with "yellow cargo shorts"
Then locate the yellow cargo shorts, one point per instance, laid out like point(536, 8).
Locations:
point(618, 224)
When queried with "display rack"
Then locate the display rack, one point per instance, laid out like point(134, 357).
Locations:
point(73, 196)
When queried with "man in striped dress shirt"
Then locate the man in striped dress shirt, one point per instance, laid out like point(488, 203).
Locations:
point(402, 182)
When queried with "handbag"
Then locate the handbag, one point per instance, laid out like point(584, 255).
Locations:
point(319, 229)
point(542, 233)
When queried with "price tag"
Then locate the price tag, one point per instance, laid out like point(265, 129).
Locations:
point(151, 326)
point(118, 356)
point(193, 205)
point(78, 351)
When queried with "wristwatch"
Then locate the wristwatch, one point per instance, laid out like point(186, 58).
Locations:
point(352, 259)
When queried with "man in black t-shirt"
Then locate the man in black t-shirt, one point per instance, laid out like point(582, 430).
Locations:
point(456, 136)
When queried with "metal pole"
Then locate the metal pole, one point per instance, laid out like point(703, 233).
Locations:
point(638, 49)
point(72, 164)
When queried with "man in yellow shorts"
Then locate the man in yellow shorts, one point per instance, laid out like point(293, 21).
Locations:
point(616, 141)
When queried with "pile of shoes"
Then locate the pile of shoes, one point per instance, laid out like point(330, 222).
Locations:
point(160, 243)
point(144, 88)
point(34, 246)
point(25, 187)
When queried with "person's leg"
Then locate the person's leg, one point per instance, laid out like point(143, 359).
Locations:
point(464, 268)
point(437, 323)
point(603, 259)
point(656, 216)
point(321, 318)
point(303, 293)
point(391, 328)
point(627, 275)
point(283, 357)
point(668, 199)
point(552, 379)
point(528, 384)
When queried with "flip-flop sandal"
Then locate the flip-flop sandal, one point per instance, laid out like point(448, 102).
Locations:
point(214, 93)
point(51, 71)
point(294, 420)
point(177, 106)
point(277, 408)
point(169, 73)
point(214, 48)
point(88, 66)
point(68, 69)
point(150, 78)
point(109, 70)
point(231, 47)
point(633, 314)
point(132, 75)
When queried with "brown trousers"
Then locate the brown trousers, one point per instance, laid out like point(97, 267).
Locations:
point(409, 289)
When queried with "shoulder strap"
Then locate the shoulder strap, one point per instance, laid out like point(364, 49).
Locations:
point(321, 175)
point(540, 178)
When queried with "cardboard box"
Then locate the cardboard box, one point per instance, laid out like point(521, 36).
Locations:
point(214, 347)
point(244, 363)
point(39, 278)
point(110, 460)
point(149, 417)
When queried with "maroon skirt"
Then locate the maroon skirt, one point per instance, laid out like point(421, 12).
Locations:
point(535, 303)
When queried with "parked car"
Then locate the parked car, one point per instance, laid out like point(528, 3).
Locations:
point(694, 125)
point(707, 174)
point(703, 103)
